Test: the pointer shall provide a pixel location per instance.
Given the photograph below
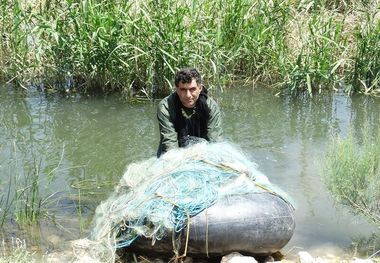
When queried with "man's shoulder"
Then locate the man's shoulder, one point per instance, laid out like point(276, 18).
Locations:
point(166, 106)
point(210, 99)
point(212, 103)
point(165, 102)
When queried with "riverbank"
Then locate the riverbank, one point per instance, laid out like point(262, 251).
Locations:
point(17, 252)
point(134, 47)
point(22, 256)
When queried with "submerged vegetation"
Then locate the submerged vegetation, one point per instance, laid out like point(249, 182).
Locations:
point(21, 199)
point(352, 173)
point(18, 253)
point(26, 197)
point(136, 46)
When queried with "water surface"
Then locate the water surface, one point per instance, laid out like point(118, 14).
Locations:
point(80, 146)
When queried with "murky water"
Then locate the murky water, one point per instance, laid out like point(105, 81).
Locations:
point(79, 147)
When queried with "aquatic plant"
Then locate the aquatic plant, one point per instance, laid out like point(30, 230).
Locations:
point(18, 256)
point(5, 203)
point(367, 246)
point(21, 198)
point(352, 173)
point(28, 201)
point(18, 253)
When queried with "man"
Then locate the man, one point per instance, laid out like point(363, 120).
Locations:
point(187, 112)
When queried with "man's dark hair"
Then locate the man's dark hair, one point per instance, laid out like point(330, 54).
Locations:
point(186, 75)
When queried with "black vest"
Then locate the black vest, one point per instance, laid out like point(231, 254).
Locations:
point(196, 125)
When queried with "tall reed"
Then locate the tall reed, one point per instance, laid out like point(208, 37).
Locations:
point(16, 35)
point(366, 70)
point(252, 37)
point(136, 46)
point(314, 65)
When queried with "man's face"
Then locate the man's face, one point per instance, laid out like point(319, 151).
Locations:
point(188, 93)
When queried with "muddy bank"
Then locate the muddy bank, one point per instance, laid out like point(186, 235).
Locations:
point(235, 257)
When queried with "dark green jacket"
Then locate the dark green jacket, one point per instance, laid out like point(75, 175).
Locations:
point(166, 114)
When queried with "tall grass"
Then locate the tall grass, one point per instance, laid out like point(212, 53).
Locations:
point(336, 5)
point(315, 63)
point(135, 47)
point(16, 30)
point(352, 173)
point(366, 75)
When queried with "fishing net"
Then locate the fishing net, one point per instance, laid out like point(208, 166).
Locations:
point(156, 197)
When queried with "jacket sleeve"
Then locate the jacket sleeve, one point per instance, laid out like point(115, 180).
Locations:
point(214, 127)
point(168, 134)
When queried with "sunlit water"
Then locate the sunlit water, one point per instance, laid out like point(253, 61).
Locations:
point(80, 147)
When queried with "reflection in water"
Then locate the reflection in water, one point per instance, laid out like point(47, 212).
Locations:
point(83, 145)
point(288, 138)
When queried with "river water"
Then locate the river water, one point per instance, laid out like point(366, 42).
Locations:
point(78, 148)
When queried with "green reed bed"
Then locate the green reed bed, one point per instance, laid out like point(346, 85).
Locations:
point(136, 46)
point(352, 173)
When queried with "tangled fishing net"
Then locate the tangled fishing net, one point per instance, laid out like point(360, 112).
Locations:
point(157, 196)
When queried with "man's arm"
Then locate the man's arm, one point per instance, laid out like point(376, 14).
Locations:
point(168, 134)
point(214, 126)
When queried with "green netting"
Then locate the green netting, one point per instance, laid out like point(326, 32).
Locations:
point(156, 196)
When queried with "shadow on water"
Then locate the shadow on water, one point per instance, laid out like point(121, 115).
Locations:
point(82, 146)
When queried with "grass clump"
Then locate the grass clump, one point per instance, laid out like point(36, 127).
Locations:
point(352, 173)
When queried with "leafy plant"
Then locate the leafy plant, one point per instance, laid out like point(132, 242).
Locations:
point(352, 173)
